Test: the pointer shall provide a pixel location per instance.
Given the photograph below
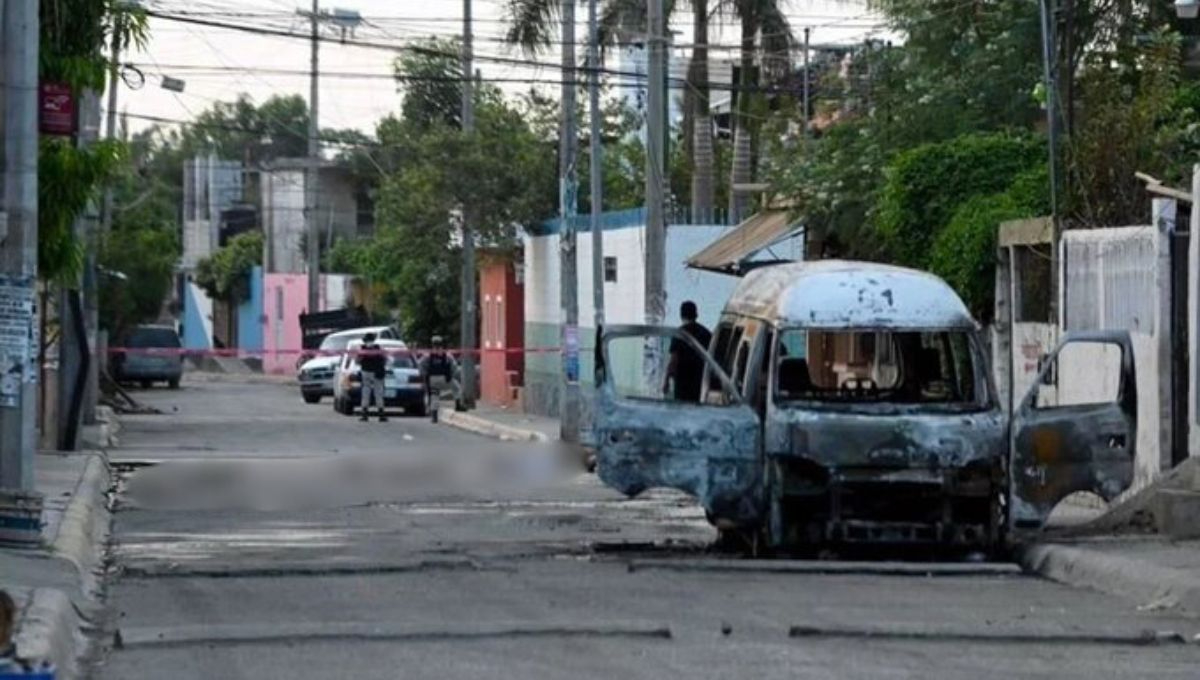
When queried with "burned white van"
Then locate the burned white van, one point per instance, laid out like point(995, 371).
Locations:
point(852, 403)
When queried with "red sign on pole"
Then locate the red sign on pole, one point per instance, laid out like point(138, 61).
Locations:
point(56, 115)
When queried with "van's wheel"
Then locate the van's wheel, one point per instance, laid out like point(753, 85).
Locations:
point(173, 383)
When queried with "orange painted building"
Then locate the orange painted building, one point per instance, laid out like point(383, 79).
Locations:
point(501, 330)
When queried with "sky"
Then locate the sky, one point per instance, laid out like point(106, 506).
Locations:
point(218, 64)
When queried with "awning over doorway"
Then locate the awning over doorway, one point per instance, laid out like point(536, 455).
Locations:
point(732, 253)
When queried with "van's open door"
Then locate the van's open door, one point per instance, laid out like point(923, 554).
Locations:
point(1076, 429)
point(646, 439)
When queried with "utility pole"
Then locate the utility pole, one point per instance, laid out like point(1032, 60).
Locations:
point(312, 176)
point(568, 140)
point(595, 170)
point(1049, 40)
point(91, 281)
point(1051, 85)
point(807, 33)
point(18, 249)
point(468, 318)
point(656, 228)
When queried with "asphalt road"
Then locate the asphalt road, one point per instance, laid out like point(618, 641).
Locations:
point(258, 537)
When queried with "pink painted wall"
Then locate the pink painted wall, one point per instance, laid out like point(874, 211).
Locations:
point(285, 297)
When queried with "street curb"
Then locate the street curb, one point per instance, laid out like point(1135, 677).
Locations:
point(1147, 584)
point(51, 625)
point(487, 428)
point(51, 629)
point(84, 527)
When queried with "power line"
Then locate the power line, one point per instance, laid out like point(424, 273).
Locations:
point(429, 51)
point(418, 49)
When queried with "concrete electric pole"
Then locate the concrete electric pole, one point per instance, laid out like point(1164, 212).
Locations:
point(91, 280)
point(807, 33)
point(656, 228)
point(18, 248)
point(595, 171)
point(470, 294)
point(312, 175)
point(568, 140)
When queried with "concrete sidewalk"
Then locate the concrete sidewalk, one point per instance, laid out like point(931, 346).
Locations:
point(57, 585)
point(501, 423)
point(1146, 548)
point(1150, 572)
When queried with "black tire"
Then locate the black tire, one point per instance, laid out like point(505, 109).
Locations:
point(173, 383)
point(347, 408)
point(417, 410)
point(311, 398)
point(146, 384)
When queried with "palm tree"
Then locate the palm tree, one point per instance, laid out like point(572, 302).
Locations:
point(761, 20)
point(532, 24)
point(703, 163)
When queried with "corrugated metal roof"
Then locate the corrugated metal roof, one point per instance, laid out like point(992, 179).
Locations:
point(728, 254)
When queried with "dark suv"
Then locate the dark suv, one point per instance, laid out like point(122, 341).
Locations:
point(153, 355)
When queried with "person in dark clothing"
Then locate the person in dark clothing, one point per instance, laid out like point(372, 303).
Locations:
point(373, 365)
point(686, 367)
point(437, 370)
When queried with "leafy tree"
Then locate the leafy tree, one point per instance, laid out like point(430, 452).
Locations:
point(925, 186)
point(225, 275)
point(139, 255)
point(964, 252)
point(242, 130)
point(431, 79)
point(73, 36)
point(1133, 117)
point(136, 275)
point(69, 179)
point(503, 172)
point(764, 25)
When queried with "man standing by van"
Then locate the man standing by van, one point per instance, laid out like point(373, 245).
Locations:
point(373, 365)
point(686, 367)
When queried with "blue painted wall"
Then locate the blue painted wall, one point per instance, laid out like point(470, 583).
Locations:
point(196, 328)
point(250, 315)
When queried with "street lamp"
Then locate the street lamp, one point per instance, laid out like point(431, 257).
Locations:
point(1187, 9)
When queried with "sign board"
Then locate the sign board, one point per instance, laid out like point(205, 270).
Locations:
point(56, 109)
point(18, 338)
point(571, 353)
point(172, 84)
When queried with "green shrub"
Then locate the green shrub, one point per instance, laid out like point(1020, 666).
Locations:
point(964, 252)
point(925, 186)
point(225, 275)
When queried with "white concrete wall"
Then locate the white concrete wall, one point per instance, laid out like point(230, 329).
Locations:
point(541, 272)
point(624, 300)
point(283, 220)
point(1113, 280)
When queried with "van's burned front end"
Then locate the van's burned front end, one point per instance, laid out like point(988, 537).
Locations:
point(841, 478)
point(884, 436)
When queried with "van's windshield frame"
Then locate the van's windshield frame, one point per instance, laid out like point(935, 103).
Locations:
point(982, 398)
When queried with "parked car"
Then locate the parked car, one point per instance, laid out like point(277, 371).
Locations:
point(850, 403)
point(154, 356)
point(316, 375)
point(403, 385)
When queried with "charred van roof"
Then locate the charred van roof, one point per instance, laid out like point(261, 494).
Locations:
point(847, 294)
